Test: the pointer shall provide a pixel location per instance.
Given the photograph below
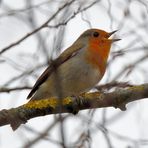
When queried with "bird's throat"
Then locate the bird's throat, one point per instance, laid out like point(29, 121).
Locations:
point(97, 56)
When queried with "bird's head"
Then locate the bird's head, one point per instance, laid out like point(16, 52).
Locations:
point(98, 36)
point(98, 43)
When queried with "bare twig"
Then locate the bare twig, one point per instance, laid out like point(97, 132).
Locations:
point(37, 29)
point(112, 85)
point(8, 90)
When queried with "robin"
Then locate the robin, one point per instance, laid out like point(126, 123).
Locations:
point(78, 69)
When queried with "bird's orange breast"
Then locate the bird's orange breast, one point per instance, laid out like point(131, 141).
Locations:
point(98, 54)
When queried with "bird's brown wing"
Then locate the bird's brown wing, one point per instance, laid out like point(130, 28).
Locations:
point(66, 55)
point(40, 80)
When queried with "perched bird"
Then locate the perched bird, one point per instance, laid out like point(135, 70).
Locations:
point(78, 69)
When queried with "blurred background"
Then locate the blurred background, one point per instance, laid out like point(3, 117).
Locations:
point(34, 32)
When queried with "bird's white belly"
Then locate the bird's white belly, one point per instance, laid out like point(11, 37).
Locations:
point(71, 78)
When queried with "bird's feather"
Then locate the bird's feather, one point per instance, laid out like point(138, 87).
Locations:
point(66, 55)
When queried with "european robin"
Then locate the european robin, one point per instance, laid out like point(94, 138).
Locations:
point(78, 69)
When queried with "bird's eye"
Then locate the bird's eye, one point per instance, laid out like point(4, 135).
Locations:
point(95, 34)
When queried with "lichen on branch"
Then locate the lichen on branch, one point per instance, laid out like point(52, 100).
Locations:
point(118, 99)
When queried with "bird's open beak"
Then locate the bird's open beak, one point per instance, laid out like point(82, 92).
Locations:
point(111, 33)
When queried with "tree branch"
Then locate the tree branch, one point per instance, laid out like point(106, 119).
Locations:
point(118, 99)
point(8, 90)
point(37, 29)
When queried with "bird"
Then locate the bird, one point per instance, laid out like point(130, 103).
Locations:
point(78, 69)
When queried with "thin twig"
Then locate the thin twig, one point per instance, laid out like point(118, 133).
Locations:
point(8, 90)
point(37, 29)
